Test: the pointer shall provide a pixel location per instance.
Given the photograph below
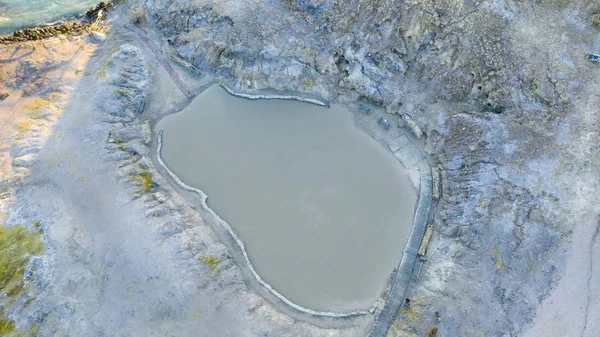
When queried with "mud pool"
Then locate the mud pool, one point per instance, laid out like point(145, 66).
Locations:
point(323, 209)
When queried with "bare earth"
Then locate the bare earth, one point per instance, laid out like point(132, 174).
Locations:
point(500, 89)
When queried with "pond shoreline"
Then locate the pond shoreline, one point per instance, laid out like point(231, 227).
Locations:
point(376, 308)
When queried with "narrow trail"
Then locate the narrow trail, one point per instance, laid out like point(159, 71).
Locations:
point(410, 157)
point(163, 61)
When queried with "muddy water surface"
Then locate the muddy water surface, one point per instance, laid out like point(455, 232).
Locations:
point(323, 209)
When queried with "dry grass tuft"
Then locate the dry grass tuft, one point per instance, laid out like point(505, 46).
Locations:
point(212, 262)
point(35, 105)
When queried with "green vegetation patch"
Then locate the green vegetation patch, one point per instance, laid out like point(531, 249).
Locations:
point(102, 74)
point(595, 19)
point(22, 128)
point(35, 105)
point(7, 326)
point(307, 83)
point(497, 255)
point(212, 262)
point(145, 178)
point(17, 246)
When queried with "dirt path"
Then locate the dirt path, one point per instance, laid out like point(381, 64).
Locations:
point(406, 266)
point(161, 58)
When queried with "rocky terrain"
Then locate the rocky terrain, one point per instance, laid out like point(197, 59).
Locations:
point(501, 90)
point(123, 254)
point(507, 103)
